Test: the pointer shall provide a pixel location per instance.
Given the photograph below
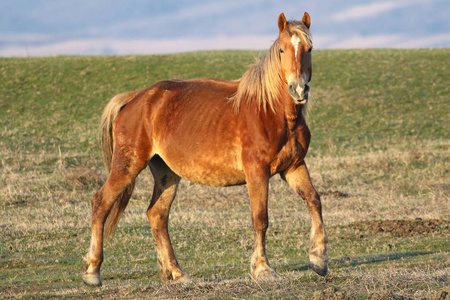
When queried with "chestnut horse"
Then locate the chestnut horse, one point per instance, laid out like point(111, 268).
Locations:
point(217, 133)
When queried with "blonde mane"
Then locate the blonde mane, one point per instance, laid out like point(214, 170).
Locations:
point(262, 82)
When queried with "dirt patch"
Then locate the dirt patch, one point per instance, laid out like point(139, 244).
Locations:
point(403, 227)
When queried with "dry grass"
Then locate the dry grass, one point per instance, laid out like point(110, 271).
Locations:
point(212, 233)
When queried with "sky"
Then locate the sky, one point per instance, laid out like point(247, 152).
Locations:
point(122, 27)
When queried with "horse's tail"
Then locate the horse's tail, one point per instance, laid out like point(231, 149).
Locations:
point(109, 115)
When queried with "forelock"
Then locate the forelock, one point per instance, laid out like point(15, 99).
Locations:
point(299, 29)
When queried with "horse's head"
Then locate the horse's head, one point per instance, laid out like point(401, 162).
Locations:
point(295, 54)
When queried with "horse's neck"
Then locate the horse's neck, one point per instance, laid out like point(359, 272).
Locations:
point(292, 113)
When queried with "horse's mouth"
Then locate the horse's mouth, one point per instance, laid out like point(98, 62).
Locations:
point(302, 101)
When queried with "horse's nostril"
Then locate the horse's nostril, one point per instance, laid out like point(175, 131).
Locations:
point(292, 89)
point(306, 88)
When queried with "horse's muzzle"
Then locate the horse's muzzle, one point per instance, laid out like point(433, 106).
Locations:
point(299, 92)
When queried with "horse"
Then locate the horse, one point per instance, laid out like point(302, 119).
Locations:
point(217, 133)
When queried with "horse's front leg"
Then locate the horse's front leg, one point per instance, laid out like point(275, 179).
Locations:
point(300, 181)
point(257, 184)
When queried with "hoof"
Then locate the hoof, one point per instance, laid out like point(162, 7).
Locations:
point(318, 265)
point(92, 280)
point(264, 273)
point(183, 279)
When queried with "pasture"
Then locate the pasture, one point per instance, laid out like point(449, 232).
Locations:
point(379, 157)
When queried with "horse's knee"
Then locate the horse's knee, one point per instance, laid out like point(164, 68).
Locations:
point(314, 201)
point(260, 222)
point(157, 218)
point(311, 198)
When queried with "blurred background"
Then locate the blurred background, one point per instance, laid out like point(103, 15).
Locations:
point(109, 27)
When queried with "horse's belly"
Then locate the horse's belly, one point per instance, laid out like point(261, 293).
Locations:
point(214, 169)
point(210, 177)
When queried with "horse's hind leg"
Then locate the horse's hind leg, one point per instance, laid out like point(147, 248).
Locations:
point(300, 181)
point(166, 183)
point(118, 187)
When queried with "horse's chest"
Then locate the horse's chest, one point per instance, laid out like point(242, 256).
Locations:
point(292, 153)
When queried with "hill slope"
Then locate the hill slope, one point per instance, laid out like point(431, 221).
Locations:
point(379, 158)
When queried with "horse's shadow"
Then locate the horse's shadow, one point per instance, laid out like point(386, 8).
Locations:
point(347, 260)
point(375, 258)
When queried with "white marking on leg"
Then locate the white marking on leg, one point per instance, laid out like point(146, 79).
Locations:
point(319, 262)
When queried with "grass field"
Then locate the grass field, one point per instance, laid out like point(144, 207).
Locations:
point(379, 157)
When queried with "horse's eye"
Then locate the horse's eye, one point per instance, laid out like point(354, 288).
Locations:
point(310, 49)
point(281, 50)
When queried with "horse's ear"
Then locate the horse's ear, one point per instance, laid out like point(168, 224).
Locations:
point(306, 20)
point(281, 22)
